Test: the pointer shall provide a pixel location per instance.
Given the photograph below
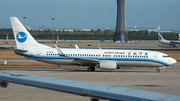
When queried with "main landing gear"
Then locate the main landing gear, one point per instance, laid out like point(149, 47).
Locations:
point(91, 68)
point(157, 70)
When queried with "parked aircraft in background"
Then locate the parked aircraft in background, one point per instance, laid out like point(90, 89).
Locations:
point(168, 42)
point(103, 58)
point(179, 37)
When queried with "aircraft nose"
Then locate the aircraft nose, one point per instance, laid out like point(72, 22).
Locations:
point(172, 61)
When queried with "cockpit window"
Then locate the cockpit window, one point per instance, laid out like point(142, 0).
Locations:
point(165, 56)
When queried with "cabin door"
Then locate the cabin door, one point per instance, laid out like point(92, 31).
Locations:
point(155, 57)
point(39, 54)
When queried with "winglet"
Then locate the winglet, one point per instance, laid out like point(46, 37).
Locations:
point(99, 46)
point(76, 46)
point(59, 51)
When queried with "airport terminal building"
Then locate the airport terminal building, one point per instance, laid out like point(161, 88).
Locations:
point(128, 29)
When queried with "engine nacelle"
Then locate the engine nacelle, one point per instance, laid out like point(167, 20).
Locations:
point(4, 84)
point(176, 45)
point(108, 65)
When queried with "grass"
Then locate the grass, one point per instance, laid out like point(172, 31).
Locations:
point(9, 54)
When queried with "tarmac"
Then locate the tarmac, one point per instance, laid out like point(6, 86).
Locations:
point(92, 44)
point(167, 82)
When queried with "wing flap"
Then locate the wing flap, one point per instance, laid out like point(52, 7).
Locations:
point(85, 60)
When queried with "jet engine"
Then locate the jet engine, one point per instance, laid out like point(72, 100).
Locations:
point(176, 45)
point(108, 65)
point(4, 84)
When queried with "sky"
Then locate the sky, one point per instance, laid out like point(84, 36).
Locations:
point(91, 14)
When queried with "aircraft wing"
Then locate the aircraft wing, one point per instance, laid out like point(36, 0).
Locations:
point(77, 59)
point(97, 91)
point(85, 60)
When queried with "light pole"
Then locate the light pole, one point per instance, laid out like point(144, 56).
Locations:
point(53, 28)
point(24, 20)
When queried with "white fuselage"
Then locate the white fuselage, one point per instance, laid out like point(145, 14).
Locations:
point(129, 58)
point(166, 42)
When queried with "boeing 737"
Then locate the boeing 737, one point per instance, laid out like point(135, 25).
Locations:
point(28, 47)
point(168, 42)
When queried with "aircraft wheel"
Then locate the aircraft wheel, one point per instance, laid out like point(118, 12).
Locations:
point(157, 70)
point(91, 68)
point(94, 99)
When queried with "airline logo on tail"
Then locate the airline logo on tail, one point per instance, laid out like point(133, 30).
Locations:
point(21, 37)
point(160, 38)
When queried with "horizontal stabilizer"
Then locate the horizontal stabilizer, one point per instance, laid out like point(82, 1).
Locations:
point(19, 50)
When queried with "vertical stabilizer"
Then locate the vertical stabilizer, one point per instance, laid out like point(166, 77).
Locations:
point(160, 37)
point(23, 38)
point(162, 40)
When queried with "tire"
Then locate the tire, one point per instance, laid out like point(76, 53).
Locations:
point(92, 69)
point(89, 69)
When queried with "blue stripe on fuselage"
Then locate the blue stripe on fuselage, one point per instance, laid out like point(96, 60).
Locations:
point(102, 58)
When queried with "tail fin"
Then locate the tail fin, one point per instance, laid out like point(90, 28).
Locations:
point(160, 37)
point(23, 38)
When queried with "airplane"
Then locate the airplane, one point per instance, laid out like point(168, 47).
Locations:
point(168, 42)
point(109, 59)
